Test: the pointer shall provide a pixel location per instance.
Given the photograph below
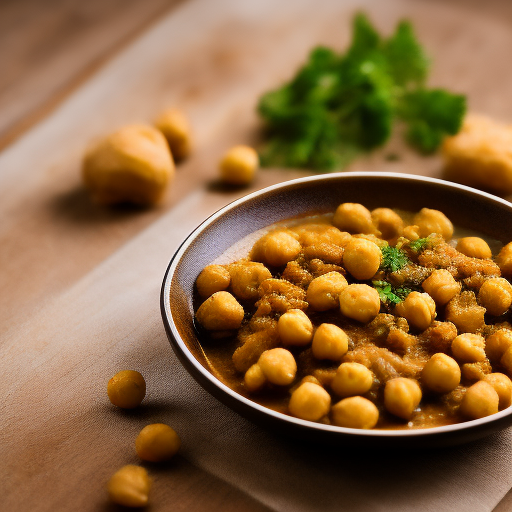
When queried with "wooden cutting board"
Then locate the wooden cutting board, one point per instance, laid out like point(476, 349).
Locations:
point(212, 59)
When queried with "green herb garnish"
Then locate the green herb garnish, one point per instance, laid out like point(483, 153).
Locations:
point(388, 294)
point(420, 244)
point(393, 259)
point(341, 105)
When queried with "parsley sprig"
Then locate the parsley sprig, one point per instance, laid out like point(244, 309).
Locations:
point(388, 294)
point(341, 105)
point(393, 259)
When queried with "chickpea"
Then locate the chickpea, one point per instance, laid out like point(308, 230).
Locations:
point(176, 129)
point(503, 386)
point(441, 374)
point(355, 412)
point(388, 222)
point(213, 278)
point(504, 260)
point(246, 278)
point(360, 302)
point(469, 348)
point(130, 486)
point(441, 286)
point(354, 218)
point(495, 295)
point(254, 378)
point(329, 342)
point(157, 442)
point(323, 292)
point(411, 232)
point(310, 402)
point(402, 396)
point(362, 258)
point(239, 165)
point(497, 343)
point(433, 221)
point(314, 234)
point(276, 248)
point(352, 379)
point(419, 309)
point(126, 389)
point(506, 360)
point(295, 328)
point(131, 165)
point(480, 400)
point(278, 365)
point(463, 310)
point(220, 312)
point(474, 247)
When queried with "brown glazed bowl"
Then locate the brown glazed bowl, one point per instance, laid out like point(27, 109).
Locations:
point(466, 207)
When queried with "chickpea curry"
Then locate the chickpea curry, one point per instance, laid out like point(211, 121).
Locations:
point(362, 319)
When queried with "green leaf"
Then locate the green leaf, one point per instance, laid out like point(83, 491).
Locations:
point(420, 244)
point(388, 294)
point(393, 259)
point(407, 61)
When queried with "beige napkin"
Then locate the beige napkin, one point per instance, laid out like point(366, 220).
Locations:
point(61, 439)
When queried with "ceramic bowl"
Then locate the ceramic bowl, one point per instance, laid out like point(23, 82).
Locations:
point(466, 207)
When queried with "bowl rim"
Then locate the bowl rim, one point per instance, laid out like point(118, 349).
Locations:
point(178, 343)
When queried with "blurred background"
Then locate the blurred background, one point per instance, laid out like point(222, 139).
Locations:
point(49, 47)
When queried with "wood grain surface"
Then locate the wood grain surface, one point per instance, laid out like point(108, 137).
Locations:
point(213, 60)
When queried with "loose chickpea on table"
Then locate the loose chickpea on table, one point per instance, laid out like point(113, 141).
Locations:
point(365, 319)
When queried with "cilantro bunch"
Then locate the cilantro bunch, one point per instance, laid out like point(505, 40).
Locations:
point(340, 105)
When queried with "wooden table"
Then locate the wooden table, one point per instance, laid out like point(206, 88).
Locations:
point(62, 57)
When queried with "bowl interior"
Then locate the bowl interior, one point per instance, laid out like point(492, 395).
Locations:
point(466, 208)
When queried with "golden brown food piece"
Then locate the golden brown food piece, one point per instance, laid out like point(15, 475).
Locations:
point(504, 260)
point(323, 292)
point(329, 253)
point(402, 396)
point(480, 155)
point(279, 366)
point(239, 165)
point(388, 222)
point(313, 233)
point(433, 221)
point(126, 389)
point(480, 400)
point(329, 342)
point(276, 248)
point(295, 328)
point(459, 265)
point(469, 348)
point(297, 274)
point(310, 402)
point(359, 302)
point(362, 258)
point(473, 372)
point(131, 165)
point(495, 295)
point(213, 278)
point(419, 309)
point(246, 278)
point(355, 412)
point(176, 129)
point(497, 343)
point(474, 247)
point(220, 312)
point(318, 268)
point(157, 442)
point(130, 486)
point(439, 336)
point(441, 286)
point(254, 378)
point(253, 345)
point(399, 341)
point(352, 379)
point(278, 296)
point(464, 311)
point(354, 218)
point(503, 386)
point(441, 374)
